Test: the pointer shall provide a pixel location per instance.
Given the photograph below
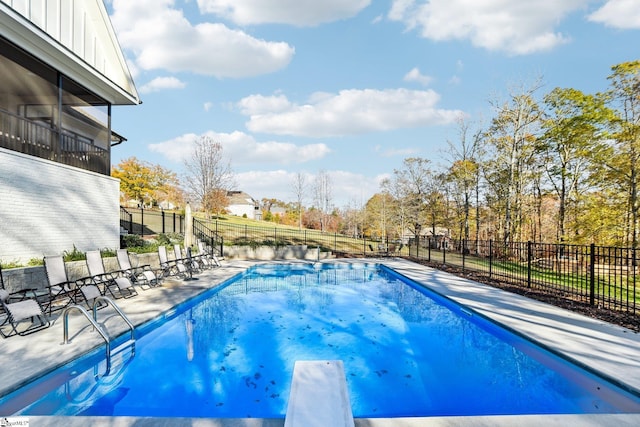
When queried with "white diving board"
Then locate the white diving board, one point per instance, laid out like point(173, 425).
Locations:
point(319, 396)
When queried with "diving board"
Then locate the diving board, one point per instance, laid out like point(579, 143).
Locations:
point(319, 396)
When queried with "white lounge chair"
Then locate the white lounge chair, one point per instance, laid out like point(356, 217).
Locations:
point(110, 282)
point(61, 289)
point(143, 275)
point(17, 311)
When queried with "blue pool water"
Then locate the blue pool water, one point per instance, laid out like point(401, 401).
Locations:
point(406, 352)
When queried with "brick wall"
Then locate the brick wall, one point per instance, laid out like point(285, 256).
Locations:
point(47, 208)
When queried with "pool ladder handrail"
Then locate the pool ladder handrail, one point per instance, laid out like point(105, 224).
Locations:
point(97, 327)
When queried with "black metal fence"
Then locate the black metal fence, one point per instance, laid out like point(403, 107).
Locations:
point(600, 276)
point(146, 222)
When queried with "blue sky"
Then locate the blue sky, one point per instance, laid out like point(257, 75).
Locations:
point(348, 87)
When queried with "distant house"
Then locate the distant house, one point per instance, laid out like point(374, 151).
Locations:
point(61, 70)
point(440, 240)
point(242, 204)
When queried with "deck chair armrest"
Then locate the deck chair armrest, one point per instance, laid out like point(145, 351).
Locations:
point(22, 294)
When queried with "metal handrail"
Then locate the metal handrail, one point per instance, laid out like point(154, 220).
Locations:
point(94, 323)
point(116, 308)
point(97, 327)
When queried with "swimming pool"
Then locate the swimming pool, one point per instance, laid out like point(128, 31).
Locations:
point(230, 353)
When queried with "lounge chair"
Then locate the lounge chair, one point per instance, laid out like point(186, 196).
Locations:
point(170, 267)
point(18, 309)
point(186, 259)
point(60, 288)
point(142, 275)
point(89, 293)
point(208, 257)
point(110, 282)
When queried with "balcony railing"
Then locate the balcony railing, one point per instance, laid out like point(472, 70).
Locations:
point(40, 140)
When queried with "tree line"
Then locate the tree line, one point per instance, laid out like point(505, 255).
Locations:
point(561, 166)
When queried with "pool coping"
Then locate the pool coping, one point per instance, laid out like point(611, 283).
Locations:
point(611, 350)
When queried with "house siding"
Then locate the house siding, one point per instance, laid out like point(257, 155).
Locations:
point(48, 207)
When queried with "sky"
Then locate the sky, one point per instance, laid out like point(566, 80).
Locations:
point(347, 88)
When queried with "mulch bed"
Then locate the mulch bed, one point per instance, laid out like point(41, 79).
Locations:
point(621, 318)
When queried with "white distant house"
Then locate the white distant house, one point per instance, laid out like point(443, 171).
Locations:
point(61, 70)
point(242, 204)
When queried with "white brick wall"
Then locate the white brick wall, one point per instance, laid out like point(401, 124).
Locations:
point(47, 208)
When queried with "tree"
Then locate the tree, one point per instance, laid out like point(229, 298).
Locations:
point(146, 183)
point(512, 134)
point(464, 173)
point(573, 128)
point(624, 159)
point(322, 190)
point(208, 174)
point(410, 187)
point(299, 187)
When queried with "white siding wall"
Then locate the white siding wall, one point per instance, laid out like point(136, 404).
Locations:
point(240, 210)
point(47, 208)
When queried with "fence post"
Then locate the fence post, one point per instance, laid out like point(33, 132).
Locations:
point(131, 223)
point(490, 257)
point(529, 264)
point(163, 221)
point(592, 275)
point(174, 222)
point(463, 246)
point(445, 244)
point(141, 221)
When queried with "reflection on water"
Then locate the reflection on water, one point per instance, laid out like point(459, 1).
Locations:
point(404, 354)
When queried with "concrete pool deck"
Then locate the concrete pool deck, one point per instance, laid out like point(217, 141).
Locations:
point(611, 350)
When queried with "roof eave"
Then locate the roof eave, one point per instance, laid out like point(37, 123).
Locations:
point(26, 35)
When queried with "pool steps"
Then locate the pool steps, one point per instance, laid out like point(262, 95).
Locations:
point(319, 396)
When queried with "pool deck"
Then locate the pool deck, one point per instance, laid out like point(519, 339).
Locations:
point(611, 350)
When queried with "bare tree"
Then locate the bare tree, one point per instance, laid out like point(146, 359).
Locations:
point(299, 187)
point(322, 197)
point(208, 173)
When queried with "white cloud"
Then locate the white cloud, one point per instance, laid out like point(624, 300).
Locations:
point(623, 14)
point(514, 26)
point(243, 149)
point(207, 106)
point(349, 112)
point(160, 37)
point(415, 76)
point(300, 13)
point(162, 83)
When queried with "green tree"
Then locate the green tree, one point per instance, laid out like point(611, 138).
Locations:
point(573, 128)
point(623, 159)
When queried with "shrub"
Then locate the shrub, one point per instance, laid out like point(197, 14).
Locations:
point(107, 253)
point(10, 264)
point(74, 255)
point(132, 240)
